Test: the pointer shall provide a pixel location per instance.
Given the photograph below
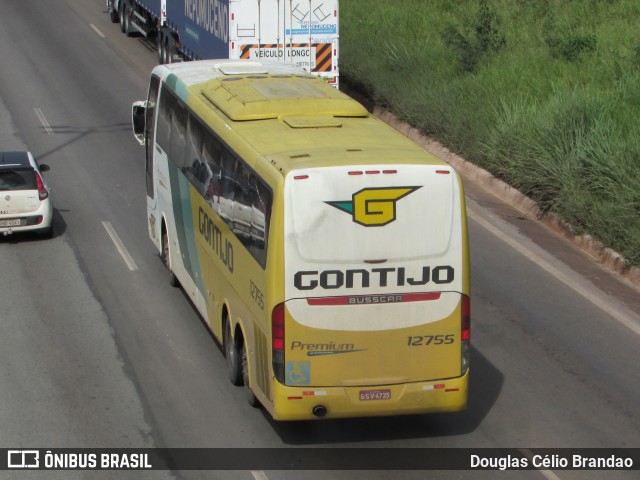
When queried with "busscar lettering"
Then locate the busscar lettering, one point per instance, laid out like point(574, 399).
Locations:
point(368, 299)
point(220, 246)
point(376, 277)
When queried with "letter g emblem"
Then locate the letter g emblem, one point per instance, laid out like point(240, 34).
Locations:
point(374, 207)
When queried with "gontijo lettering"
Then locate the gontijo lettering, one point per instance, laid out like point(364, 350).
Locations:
point(376, 277)
point(211, 15)
point(213, 236)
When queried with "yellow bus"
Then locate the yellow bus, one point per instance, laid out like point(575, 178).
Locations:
point(327, 253)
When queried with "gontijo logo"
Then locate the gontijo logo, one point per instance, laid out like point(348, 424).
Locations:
point(373, 207)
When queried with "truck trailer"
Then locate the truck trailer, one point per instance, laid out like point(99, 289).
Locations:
point(302, 32)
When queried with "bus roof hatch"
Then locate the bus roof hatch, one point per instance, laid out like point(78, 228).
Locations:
point(261, 97)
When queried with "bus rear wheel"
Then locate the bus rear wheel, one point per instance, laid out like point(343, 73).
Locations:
point(250, 396)
point(234, 360)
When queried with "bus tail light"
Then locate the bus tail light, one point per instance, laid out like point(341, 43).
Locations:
point(465, 334)
point(277, 341)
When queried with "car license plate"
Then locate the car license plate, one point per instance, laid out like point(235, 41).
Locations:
point(10, 223)
point(375, 394)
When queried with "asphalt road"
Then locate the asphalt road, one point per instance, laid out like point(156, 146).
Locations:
point(99, 351)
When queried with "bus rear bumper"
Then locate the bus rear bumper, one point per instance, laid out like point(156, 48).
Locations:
point(308, 403)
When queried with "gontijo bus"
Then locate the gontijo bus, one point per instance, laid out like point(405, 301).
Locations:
point(327, 252)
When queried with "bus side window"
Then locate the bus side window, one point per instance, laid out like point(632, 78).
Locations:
point(163, 129)
point(178, 136)
point(261, 216)
point(196, 169)
point(228, 180)
point(211, 154)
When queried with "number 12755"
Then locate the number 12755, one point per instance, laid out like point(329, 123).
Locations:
point(418, 340)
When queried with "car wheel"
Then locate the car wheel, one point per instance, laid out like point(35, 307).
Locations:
point(234, 360)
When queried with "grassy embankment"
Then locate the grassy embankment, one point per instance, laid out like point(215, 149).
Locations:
point(543, 93)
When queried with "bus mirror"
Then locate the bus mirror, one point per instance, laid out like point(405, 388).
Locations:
point(138, 112)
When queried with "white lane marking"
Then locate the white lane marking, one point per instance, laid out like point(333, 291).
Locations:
point(95, 29)
point(549, 475)
point(259, 475)
point(43, 121)
point(602, 303)
point(120, 246)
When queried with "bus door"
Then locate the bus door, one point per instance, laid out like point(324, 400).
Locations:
point(153, 222)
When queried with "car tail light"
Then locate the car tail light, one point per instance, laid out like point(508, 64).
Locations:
point(465, 334)
point(43, 193)
point(277, 342)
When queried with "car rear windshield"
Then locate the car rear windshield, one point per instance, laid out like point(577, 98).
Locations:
point(18, 179)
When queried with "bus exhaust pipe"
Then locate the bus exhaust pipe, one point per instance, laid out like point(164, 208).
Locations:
point(319, 411)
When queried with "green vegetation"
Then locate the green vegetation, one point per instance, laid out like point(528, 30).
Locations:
point(543, 93)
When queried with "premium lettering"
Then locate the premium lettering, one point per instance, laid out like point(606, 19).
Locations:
point(326, 347)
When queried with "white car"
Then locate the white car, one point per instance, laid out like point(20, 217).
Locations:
point(25, 200)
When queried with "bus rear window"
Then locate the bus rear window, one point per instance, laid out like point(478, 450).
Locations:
point(339, 217)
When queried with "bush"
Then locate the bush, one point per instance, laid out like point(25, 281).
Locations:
point(544, 94)
point(572, 45)
point(470, 44)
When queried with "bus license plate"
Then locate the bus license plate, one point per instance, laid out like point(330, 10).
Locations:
point(10, 223)
point(375, 394)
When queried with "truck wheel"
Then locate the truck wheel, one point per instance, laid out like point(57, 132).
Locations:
point(166, 52)
point(128, 31)
point(160, 45)
point(122, 13)
point(234, 360)
point(113, 14)
point(251, 398)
